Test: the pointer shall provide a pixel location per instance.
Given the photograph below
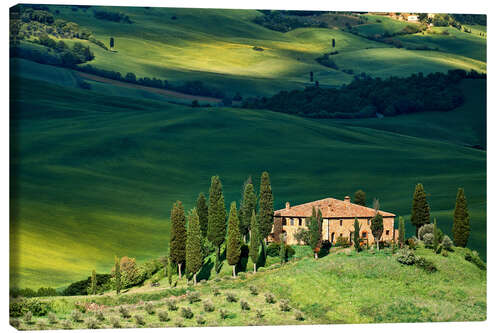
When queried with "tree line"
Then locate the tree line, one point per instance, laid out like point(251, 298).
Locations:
point(365, 96)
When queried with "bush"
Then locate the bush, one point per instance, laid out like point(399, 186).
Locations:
point(299, 315)
point(200, 320)
point(186, 313)
point(115, 322)
point(444, 253)
point(193, 296)
point(244, 305)
point(223, 314)
point(342, 242)
point(66, 324)
point(100, 316)
point(447, 243)
point(76, 316)
point(273, 250)
point(171, 304)
point(92, 323)
point(208, 306)
point(149, 308)
point(259, 314)
point(253, 290)
point(325, 247)
point(178, 323)
point(426, 264)
point(163, 315)
point(473, 257)
point(139, 320)
point(428, 240)
point(231, 298)
point(270, 298)
point(284, 305)
point(216, 291)
point(412, 243)
point(406, 257)
point(424, 230)
point(52, 318)
point(124, 312)
point(28, 317)
point(16, 309)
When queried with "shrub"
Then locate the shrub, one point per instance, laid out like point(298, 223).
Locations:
point(259, 314)
point(100, 316)
point(473, 257)
point(244, 305)
point(270, 298)
point(208, 306)
point(52, 318)
point(412, 243)
point(447, 243)
point(284, 305)
point(42, 325)
point(115, 322)
point(273, 250)
point(179, 323)
point(76, 316)
point(428, 240)
point(426, 264)
point(15, 323)
point(406, 257)
point(216, 291)
point(439, 248)
point(444, 253)
point(149, 308)
point(66, 324)
point(124, 312)
point(193, 297)
point(342, 242)
point(200, 320)
point(28, 317)
point(253, 290)
point(139, 319)
point(299, 315)
point(230, 297)
point(92, 323)
point(186, 313)
point(171, 304)
point(424, 230)
point(163, 315)
point(325, 247)
point(16, 309)
point(223, 314)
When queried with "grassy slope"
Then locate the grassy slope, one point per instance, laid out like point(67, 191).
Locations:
point(368, 287)
point(108, 168)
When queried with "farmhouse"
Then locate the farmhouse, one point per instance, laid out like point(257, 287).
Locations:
point(338, 220)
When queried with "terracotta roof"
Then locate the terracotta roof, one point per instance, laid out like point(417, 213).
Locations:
point(331, 208)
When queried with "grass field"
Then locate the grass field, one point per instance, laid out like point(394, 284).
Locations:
point(110, 167)
point(366, 287)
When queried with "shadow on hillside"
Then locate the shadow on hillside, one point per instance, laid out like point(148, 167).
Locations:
point(206, 270)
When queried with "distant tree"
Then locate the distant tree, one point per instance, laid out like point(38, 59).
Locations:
point(216, 232)
point(357, 244)
point(117, 276)
point(314, 232)
point(202, 210)
point(333, 42)
point(282, 249)
point(311, 76)
point(130, 77)
point(377, 227)
point(194, 258)
point(247, 206)
point(266, 208)
point(360, 198)
point(254, 241)
point(461, 220)
point(178, 236)
point(420, 212)
point(93, 283)
point(401, 235)
point(435, 238)
point(316, 83)
point(233, 238)
point(111, 42)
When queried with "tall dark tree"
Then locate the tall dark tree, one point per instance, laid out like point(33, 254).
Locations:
point(311, 76)
point(461, 220)
point(254, 241)
point(360, 198)
point(117, 276)
point(282, 249)
point(420, 211)
point(178, 236)
point(194, 258)
point(377, 227)
point(266, 210)
point(314, 232)
point(202, 210)
point(93, 283)
point(333, 42)
point(357, 244)
point(401, 231)
point(111, 42)
point(435, 236)
point(216, 233)
point(233, 238)
point(248, 205)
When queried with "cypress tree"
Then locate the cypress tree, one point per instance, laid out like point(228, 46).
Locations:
point(282, 249)
point(254, 241)
point(377, 227)
point(178, 236)
point(314, 235)
point(216, 215)
point(118, 276)
point(202, 210)
point(435, 238)
point(266, 206)
point(420, 212)
point(356, 235)
point(360, 198)
point(233, 238)
point(401, 227)
point(93, 283)
point(248, 205)
point(194, 258)
point(461, 220)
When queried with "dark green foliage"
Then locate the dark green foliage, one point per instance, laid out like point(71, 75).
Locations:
point(342, 242)
point(314, 231)
point(302, 236)
point(270, 298)
point(447, 243)
point(117, 276)
point(253, 290)
point(178, 234)
point(193, 297)
point(435, 235)
point(93, 283)
point(194, 258)
point(28, 292)
point(186, 313)
point(285, 305)
point(357, 244)
point(273, 249)
point(244, 305)
point(279, 21)
point(254, 239)
point(247, 206)
point(112, 44)
point(171, 304)
point(360, 198)
point(216, 214)
point(377, 227)
point(474, 258)
point(461, 220)
point(124, 312)
point(325, 247)
point(233, 237)
point(111, 16)
point(231, 298)
point(425, 264)
point(401, 230)
point(163, 316)
point(202, 210)
point(406, 257)
point(420, 211)
point(266, 206)
point(223, 313)
point(20, 307)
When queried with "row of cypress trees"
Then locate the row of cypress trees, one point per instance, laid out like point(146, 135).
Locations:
point(211, 222)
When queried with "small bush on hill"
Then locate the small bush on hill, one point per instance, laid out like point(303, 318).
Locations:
point(115, 322)
point(16, 323)
point(244, 305)
point(193, 296)
point(139, 319)
point(424, 230)
point(208, 306)
point(163, 316)
point(28, 317)
point(325, 247)
point(428, 240)
point(92, 323)
point(67, 324)
point(273, 250)
point(231, 298)
point(444, 253)
point(426, 264)
point(406, 257)
point(76, 316)
point(186, 312)
point(171, 304)
point(474, 258)
point(447, 243)
point(223, 313)
point(149, 308)
point(200, 320)
point(124, 312)
point(179, 323)
point(284, 305)
point(253, 290)
point(259, 314)
point(52, 318)
point(412, 243)
point(100, 316)
point(270, 298)
point(299, 315)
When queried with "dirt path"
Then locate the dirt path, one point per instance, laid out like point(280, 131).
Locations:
point(169, 93)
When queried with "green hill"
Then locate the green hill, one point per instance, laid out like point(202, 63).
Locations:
point(96, 174)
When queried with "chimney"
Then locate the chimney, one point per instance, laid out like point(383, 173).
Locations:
point(347, 198)
point(287, 205)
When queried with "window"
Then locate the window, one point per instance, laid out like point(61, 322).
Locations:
point(340, 224)
point(291, 222)
point(333, 236)
point(363, 234)
point(387, 232)
point(300, 221)
point(341, 235)
point(283, 221)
